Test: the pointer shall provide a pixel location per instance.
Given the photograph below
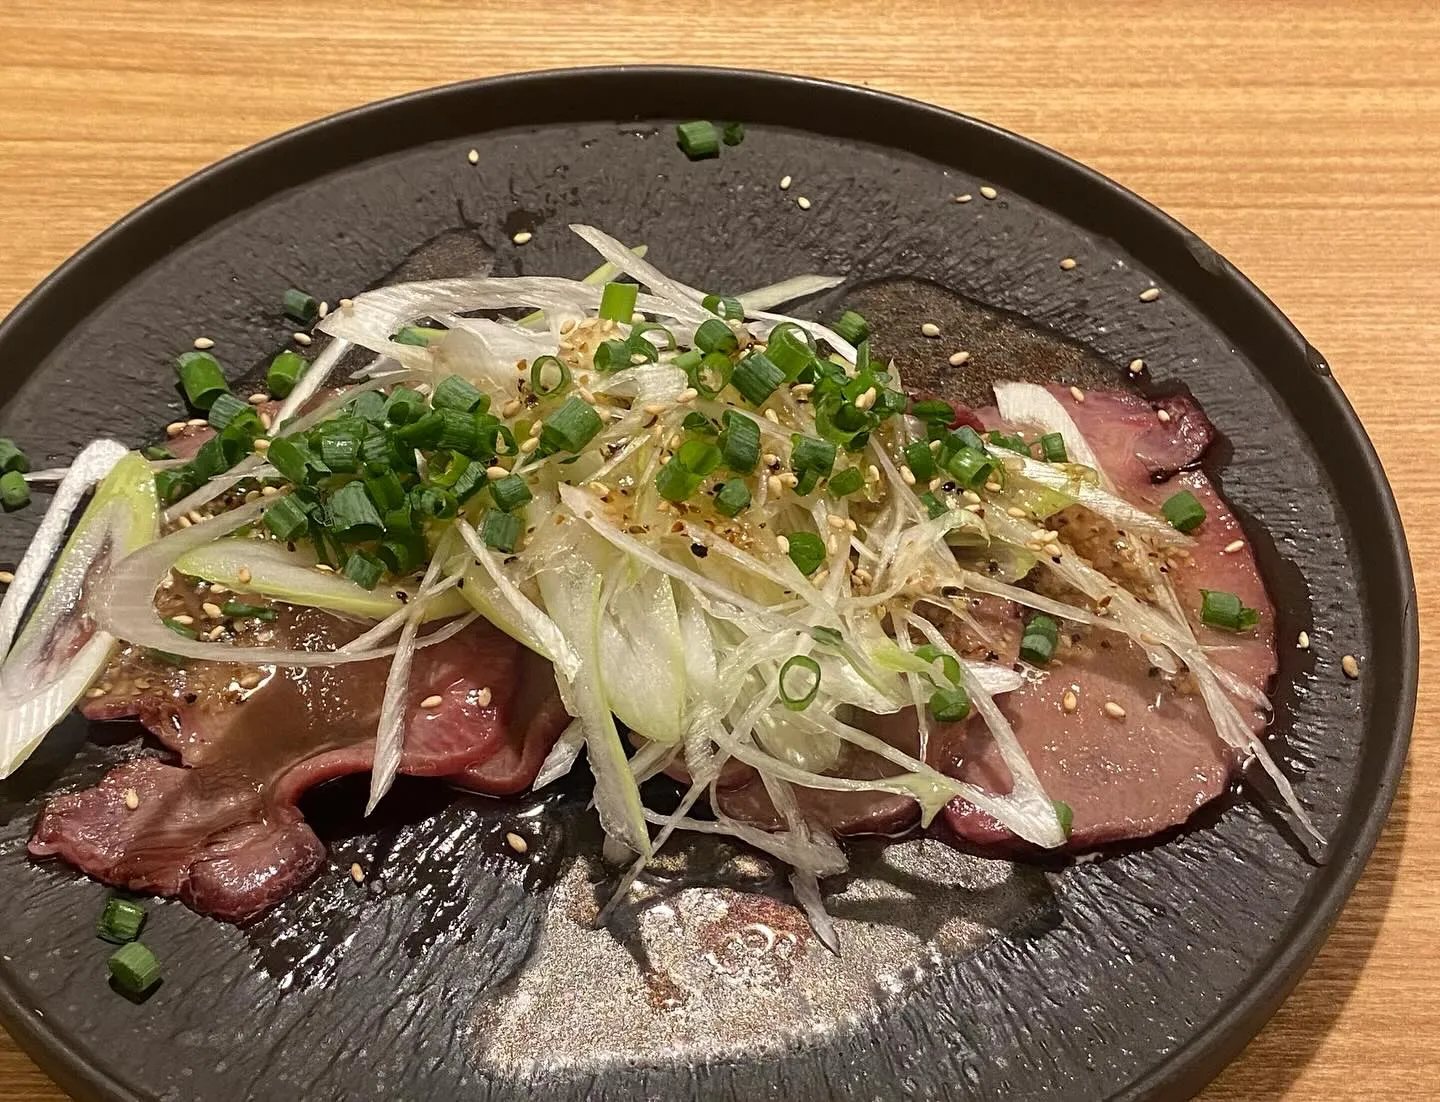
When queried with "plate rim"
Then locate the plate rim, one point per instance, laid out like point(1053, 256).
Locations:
point(106, 263)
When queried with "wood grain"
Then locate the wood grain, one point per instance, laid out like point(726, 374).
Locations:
point(1301, 139)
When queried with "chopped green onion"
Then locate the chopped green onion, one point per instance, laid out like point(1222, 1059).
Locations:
point(829, 636)
point(963, 437)
point(353, 516)
point(364, 570)
point(933, 505)
point(401, 553)
point(1064, 815)
point(120, 921)
point(809, 453)
point(287, 518)
point(846, 482)
point(180, 629)
point(502, 530)
point(1184, 511)
point(445, 469)
point(368, 406)
point(640, 347)
point(1224, 610)
point(553, 368)
point(733, 497)
point(640, 328)
point(171, 486)
point(300, 306)
point(698, 139)
point(291, 457)
point(224, 410)
point(134, 968)
point(714, 335)
point(728, 308)
point(471, 481)
point(808, 665)
point(807, 552)
point(707, 374)
point(852, 327)
point(244, 611)
point(740, 442)
point(933, 411)
point(921, 461)
point(459, 394)
point(153, 452)
point(698, 423)
point(570, 427)
point(13, 459)
point(419, 336)
point(789, 346)
point(949, 705)
point(284, 372)
point(948, 662)
point(734, 133)
point(14, 491)
point(674, 482)
point(434, 501)
point(698, 456)
point(1010, 442)
point(1052, 447)
point(510, 493)
point(201, 378)
point(386, 490)
point(405, 406)
point(612, 355)
point(756, 378)
point(1036, 647)
point(492, 435)
point(340, 450)
point(617, 301)
point(971, 468)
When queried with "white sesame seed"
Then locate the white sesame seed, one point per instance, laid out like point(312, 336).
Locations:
point(1150, 294)
point(174, 428)
point(930, 329)
point(266, 421)
point(269, 491)
point(324, 568)
point(262, 444)
point(772, 417)
point(907, 476)
point(347, 303)
point(775, 485)
point(183, 522)
point(971, 496)
point(784, 183)
point(872, 473)
point(973, 508)
point(302, 339)
point(1067, 264)
point(473, 156)
point(132, 799)
point(495, 474)
point(1163, 415)
point(867, 399)
point(1350, 666)
point(802, 202)
point(197, 422)
point(515, 842)
point(529, 445)
point(184, 618)
point(935, 482)
point(259, 398)
point(211, 610)
point(6, 577)
point(433, 701)
point(244, 575)
point(204, 343)
point(1233, 546)
point(1302, 642)
point(689, 394)
point(357, 874)
point(324, 311)
point(1069, 702)
point(1016, 512)
point(537, 428)
point(958, 359)
point(523, 237)
point(834, 521)
point(482, 697)
point(95, 693)
point(782, 543)
point(1077, 394)
point(511, 408)
point(1113, 710)
point(964, 198)
point(820, 577)
point(988, 192)
point(802, 390)
point(833, 543)
point(1136, 366)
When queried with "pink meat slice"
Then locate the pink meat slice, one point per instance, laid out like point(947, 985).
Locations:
point(221, 830)
point(1150, 771)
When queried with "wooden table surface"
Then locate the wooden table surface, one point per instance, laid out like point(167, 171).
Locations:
point(1301, 139)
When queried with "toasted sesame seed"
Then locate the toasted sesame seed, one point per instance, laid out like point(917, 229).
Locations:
point(324, 568)
point(495, 474)
point(1067, 264)
point(433, 701)
point(1137, 365)
point(529, 445)
point(988, 192)
point(872, 473)
point(784, 183)
point(259, 398)
point(6, 577)
point(324, 310)
point(211, 610)
point(935, 482)
point(964, 197)
point(184, 618)
point(1233, 546)
point(1350, 666)
point(357, 874)
point(782, 543)
point(833, 543)
point(1302, 642)
point(269, 491)
point(197, 422)
point(1069, 702)
point(183, 522)
point(347, 303)
point(802, 202)
point(473, 156)
point(95, 693)
point(774, 484)
point(1077, 394)
point(302, 339)
point(1113, 710)
point(266, 421)
point(523, 237)
point(959, 359)
point(820, 577)
point(537, 428)
point(907, 475)
point(930, 329)
point(867, 399)
point(1016, 511)
point(689, 394)
point(174, 428)
point(250, 680)
point(802, 390)
point(515, 842)
point(132, 799)
point(262, 444)
point(973, 508)
point(1150, 294)
point(772, 417)
point(834, 521)
point(994, 487)
point(511, 408)
point(204, 343)
point(244, 575)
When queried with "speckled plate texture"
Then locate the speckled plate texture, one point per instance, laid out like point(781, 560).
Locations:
point(459, 970)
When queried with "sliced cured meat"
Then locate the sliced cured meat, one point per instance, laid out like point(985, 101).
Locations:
point(221, 830)
point(1137, 775)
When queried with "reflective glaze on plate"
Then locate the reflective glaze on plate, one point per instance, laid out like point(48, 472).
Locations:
point(459, 968)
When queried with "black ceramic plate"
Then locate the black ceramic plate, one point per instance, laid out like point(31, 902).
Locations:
point(1134, 976)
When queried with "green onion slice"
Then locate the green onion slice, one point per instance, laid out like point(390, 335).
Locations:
point(549, 376)
point(1226, 611)
point(800, 672)
point(807, 552)
point(617, 301)
point(698, 139)
point(1184, 511)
